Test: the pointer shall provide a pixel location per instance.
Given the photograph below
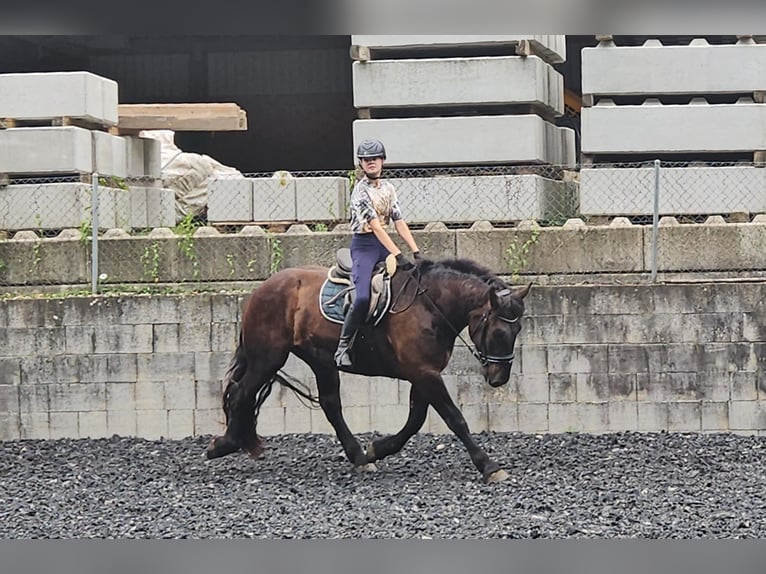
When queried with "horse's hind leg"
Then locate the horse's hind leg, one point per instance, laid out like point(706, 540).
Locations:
point(240, 408)
point(328, 384)
point(440, 399)
point(387, 445)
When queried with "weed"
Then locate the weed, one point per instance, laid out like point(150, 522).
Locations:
point(517, 254)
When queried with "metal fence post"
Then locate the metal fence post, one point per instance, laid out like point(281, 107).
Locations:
point(94, 234)
point(655, 218)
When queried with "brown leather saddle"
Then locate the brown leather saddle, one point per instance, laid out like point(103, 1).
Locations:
point(337, 293)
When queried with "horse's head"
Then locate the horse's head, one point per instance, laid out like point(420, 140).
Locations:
point(494, 333)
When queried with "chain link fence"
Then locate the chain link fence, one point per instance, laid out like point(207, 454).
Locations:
point(696, 218)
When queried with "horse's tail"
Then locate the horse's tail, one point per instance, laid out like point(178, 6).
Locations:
point(234, 373)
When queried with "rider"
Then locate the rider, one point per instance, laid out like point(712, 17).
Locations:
point(373, 203)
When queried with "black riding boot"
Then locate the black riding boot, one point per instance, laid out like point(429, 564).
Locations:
point(350, 326)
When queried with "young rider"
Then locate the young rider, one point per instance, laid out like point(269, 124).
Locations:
point(373, 204)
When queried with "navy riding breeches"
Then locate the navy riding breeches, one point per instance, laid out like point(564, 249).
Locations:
point(366, 252)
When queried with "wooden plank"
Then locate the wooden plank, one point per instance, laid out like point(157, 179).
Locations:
point(214, 117)
point(360, 53)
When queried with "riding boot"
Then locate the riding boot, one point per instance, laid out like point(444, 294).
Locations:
point(347, 333)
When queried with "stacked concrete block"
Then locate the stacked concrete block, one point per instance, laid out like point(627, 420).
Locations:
point(414, 90)
point(50, 206)
point(230, 200)
point(632, 110)
point(487, 198)
point(321, 198)
point(72, 95)
point(470, 140)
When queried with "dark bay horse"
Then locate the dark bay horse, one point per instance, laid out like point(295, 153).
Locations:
point(414, 342)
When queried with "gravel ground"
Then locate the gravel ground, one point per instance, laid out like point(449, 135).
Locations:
point(561, 486)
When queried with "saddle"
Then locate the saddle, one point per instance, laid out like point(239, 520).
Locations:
point(337, 293)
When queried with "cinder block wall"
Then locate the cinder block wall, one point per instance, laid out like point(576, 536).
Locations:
point(682, 357)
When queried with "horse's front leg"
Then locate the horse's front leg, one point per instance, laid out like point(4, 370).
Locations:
point(328, 384)
point(387, 445)
point(437, 394)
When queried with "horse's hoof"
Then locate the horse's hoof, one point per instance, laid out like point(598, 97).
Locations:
point(369, 467)
point(220, 446)
point(497, 476)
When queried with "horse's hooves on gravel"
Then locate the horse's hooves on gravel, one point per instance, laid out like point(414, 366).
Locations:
point(497, 476)
point(369, 467)
point(370, 453)
point(218, 447)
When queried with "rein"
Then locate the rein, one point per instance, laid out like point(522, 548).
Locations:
point(482, 357)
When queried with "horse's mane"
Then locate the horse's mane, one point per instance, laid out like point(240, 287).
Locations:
point(464, 266)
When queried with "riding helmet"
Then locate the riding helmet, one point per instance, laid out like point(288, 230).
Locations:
point(371, 149)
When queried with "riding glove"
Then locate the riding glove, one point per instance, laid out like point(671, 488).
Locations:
point(417, 255)
point(403, 263)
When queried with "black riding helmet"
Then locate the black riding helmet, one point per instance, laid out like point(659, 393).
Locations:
point(371, 149)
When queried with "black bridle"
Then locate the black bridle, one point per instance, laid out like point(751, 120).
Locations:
point(483, 357)
point(480, 355)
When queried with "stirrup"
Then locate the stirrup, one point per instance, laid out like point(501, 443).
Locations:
point(343, 358)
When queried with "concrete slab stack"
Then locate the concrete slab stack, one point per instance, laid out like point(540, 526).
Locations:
point(697, 103)
point(55, 132)
point(455, 109)
point(463, 101)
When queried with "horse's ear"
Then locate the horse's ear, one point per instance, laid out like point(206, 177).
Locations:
point(493, 300)
point(521, 292)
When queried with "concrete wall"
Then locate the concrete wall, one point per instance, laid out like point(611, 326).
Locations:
point(684, 357)
point(161, 256)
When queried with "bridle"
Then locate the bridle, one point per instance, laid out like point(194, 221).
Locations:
point(480, 355)
point(484, 358)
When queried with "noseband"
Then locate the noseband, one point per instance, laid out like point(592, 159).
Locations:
point(484, 358)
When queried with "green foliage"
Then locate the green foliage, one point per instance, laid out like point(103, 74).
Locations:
point(517, 253)
point(277, 256)
point(185, 229)
point(151, 261)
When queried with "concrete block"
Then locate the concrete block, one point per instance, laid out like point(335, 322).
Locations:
point(9, 426)
point(744, 386)
point(691, 69)
point(61, 205)
point(485, 198)
point(533, 388)
point(297, 420)
point(321, 198)
point(747, 415)
point(48, 95)
point(685, 417)
point(577, 417)
point(667, 386)
point(735, 246)
point(609, 129)
point(683, 190)
point(562, 387)
point(143, 157)
point(150, 395)
point(92, 424)
point(469, 140)
point(599, 387)
point(320, 424)
point(35, 426)
point(180, 423)
point(274, 199)
point(209, 421)
point(551, 47)
point(533, 417)
point(151, 207)
point(121, 423)
point(180, 394)
point(152, 424)
point(298, 248)
point(623, 416)
point(230, 200)
point(715, 416)
point(271, 421)
point(502, 417)
point(211, 366)
point(120, 396)
point(127, 338)
point(110, 154)
point(479, 81)
point(387, 418)
point(46, 150)
point(73, 397)
point(652, 417)
point(64, 425)
point(555, 249)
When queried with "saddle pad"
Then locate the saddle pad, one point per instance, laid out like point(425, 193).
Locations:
point(331, 297)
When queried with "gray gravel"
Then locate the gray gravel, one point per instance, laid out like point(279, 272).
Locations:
point(561, 486)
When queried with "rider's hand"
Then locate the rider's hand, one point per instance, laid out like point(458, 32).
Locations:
point(417, 255)
point(403, 263)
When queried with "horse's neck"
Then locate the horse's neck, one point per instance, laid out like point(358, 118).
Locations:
point(465, 297)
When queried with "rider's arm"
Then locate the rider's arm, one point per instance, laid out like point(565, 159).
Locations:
point(383, 236)
point(404, 231)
